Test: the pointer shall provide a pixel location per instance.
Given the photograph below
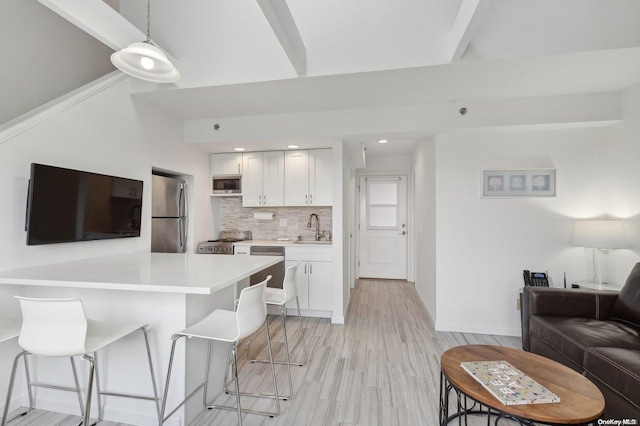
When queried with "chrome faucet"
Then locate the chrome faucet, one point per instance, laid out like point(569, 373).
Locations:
point(317, 225)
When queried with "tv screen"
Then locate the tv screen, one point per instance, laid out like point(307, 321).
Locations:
point(67, 205)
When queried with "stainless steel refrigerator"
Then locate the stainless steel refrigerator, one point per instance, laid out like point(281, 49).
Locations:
point(168, 215)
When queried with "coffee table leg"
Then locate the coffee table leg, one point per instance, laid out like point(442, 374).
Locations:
point(444, 401)
point(463, 409)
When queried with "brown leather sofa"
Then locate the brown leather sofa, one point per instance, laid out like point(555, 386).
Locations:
point(596, 333)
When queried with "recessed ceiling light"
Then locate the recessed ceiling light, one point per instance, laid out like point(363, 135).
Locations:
point(383, 141)
point(293, 146)
point(238, 149)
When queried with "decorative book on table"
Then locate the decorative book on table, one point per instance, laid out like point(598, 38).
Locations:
point(508, 384)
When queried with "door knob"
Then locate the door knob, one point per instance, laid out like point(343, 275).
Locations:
point(403, 232)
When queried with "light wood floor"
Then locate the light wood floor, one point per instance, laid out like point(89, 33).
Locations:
point(381, 368)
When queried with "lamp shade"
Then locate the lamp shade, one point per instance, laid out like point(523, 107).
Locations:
point(600, 234)
point(145, 61)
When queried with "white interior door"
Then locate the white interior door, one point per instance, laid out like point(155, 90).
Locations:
point(383, 227)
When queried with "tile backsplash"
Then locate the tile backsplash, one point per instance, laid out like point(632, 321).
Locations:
point(234, 216)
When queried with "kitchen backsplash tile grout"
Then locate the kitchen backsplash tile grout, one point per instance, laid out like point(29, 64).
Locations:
point(234, 216)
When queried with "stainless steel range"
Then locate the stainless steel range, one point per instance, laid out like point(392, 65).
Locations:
point(223, 245)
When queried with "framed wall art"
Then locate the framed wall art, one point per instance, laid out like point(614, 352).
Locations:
point(519, 183)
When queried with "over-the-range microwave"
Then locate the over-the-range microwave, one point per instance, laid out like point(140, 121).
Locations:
point(230, 184)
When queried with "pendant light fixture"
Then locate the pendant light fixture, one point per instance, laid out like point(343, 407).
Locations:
point(145, 61)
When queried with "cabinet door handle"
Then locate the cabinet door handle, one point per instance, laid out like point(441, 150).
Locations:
point(264, 200)
point(305, 269)
point(311, 199)
point(311, 268)
point(306, 201)
point(238, 168)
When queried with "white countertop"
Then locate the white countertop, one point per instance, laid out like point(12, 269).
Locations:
point(280, 243)
point(154, 272)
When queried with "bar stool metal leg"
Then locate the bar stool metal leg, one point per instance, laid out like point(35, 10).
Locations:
point(286, 352)
point(76, 381)
point(87, 407)
point(287, 361)
point(304, 345)
point(206, 373)
point(151, 371)
point(100, 392)
point(12, 379)
point(155, 397)
point(300, 341)
point(31, 384)
point(166, 383)
point(234, 350)
point(236, 392)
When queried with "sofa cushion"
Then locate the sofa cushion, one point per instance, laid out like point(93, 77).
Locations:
point(627, 306)
point(616, 368)
point(570, 336)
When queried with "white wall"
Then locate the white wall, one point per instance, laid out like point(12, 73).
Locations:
point(484, 244)
point(425, 223)
point(109, 134)
point(106, 133)
point(388, 163)
point(340, 231)
point(623, 192)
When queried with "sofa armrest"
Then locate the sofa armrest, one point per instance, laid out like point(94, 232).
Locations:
point(563, 302)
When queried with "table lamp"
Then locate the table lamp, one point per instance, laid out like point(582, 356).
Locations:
point(599, 236)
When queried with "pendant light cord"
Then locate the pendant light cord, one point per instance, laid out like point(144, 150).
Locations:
point(149, 21)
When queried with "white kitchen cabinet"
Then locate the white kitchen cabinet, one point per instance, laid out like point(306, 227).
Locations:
point(225, 164)
point(314, 279)
point(320, 177)
point(296, 182)
point(263, 179)
point(308, 178)
point(320, 291)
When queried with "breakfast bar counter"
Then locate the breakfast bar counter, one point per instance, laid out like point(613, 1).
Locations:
point(169, 292)
point(154, 272)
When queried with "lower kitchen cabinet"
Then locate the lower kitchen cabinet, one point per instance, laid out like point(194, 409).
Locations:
point(314, 279)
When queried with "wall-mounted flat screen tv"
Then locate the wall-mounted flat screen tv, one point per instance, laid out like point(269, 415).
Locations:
point(67, 205)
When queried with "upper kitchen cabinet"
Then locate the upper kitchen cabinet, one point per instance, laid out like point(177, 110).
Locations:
point(263, 179)
point(225, 164)
point(308, 178)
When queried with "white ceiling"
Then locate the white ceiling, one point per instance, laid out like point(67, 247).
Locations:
point(35, 70)
point(367, 53)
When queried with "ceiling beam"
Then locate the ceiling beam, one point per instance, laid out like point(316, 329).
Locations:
point(98, 19)
point(465, 25)
point(279, 17)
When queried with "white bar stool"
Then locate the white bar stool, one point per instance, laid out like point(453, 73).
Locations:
point(280, 297)
point(9, 329)
point(228, 326)
point(60, 328)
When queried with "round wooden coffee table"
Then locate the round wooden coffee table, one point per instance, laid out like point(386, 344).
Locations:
point(581, 402)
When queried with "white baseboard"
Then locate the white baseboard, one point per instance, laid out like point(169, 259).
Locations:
point(470, 328)
point(337, 320)
point(112, 413)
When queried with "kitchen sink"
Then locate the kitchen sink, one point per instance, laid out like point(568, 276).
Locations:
point(313, 242)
